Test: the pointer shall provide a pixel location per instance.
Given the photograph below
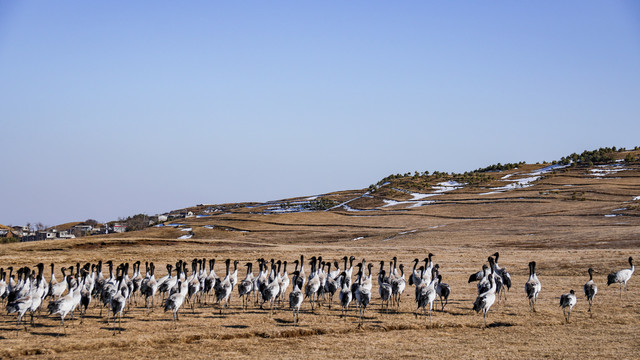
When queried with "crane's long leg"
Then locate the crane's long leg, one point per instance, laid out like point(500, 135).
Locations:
point(485, 319)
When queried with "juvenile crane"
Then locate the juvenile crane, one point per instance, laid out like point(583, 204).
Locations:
point(568, 301)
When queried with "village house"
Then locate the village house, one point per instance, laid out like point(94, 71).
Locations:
point(46, 234)
point(119, 228)
point(64, 234)
point(81, 230)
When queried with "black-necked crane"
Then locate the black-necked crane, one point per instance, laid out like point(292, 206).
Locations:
point(24, 284)
point(333, 274)
point(332, 284)
point(367, 281)
point(149, 286)
point(621, 277)
point(284, 282)
point(85, 294)
point(443, 290)
point(322, 276)
point(126, 285)
point(52, 280)
point(363, 294)
point(223, 288)
point(295, 298)
point(62, 307)
point(345, 295)
point(98, 282)
point(3, 284)
point(590, 289)
point(118, 300)
point(428, 265)
point(168, 281)
point(181, 274)
point(398, 284)
point(415, 277)
point(302, 277)
point(313, 285)
point(136, 280)
point(355, 284)
point(533, 286)
point(233, 277)
point(394, 268)
point(484, 301)
point(349, 270)
point(56, 289)
point(72, 283)
point(175, 301)
point(504, 276)
point(270, 292)
point(109, 288)
point(484, 284)
point(20, 306)
point(193, 284)
point(384, 290)
point(386, 278)
point(38, 291)
point(568, 301)
point(426, 292)
point(11, 282)
point(245, 287)
point(260, 280)
point(210, 280)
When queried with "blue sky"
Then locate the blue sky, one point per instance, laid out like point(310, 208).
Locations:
point(112, 108)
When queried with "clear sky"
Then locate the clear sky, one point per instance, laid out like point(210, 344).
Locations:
point(112, 108)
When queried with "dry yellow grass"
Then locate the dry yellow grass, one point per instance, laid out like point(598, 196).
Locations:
point(540, 223)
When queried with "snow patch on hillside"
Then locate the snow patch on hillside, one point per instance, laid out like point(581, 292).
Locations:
point(416, 200)
point(604, 170)
point(523, 182)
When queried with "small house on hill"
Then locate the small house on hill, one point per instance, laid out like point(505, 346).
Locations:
point(6, 232)
point(46, 235)
point(119, 228)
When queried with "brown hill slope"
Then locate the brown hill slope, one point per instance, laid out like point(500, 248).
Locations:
point(567, 220)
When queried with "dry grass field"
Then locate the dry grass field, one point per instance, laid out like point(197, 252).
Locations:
point(566, 221)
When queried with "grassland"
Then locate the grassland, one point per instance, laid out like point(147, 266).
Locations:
point(565, 221)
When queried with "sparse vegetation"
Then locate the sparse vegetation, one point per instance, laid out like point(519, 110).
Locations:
point(500, 167)
point(135, 222)
point(589, 158)
point(578, 196)
point(9, 239)
point(320, 204)
point(424, 180)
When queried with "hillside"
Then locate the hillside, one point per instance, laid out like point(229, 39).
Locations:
point(555, 196)
point(565, 217)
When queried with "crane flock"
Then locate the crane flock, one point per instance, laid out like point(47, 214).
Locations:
point(180, 288)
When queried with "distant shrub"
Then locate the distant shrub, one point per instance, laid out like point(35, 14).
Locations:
point(500, 167)
point(7, 240)
point(320, 204)
point(589, 158)
point(136, 222)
